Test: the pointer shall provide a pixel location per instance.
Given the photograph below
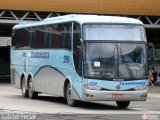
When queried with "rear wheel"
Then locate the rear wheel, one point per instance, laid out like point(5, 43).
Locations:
point(68, 94)
point(32, 94)
point(123, 104)
point(23, 88)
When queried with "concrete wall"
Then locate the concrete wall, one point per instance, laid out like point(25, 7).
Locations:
point(5, 41)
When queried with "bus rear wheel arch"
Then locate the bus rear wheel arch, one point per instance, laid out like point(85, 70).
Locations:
point(122, 104)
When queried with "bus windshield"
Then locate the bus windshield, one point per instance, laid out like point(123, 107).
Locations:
point(113, 32)
point(115, 60)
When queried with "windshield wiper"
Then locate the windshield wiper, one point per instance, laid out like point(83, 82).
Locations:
point(130, 72)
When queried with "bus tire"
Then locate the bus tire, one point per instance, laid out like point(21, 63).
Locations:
point(123, 104)
point(32, 94)
point(70, 101)
point(23, 88)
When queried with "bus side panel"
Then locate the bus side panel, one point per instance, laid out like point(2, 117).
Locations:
point(15, 78)
point(49, 80)
point(17, 67)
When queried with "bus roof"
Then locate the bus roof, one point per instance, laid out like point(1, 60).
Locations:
point(81, 19)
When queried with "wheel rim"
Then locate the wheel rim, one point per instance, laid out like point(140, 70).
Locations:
point(30, 87)
point(23, 87)
point(68, 93)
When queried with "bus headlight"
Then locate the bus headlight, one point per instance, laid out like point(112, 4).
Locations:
point(93, 87)
point(140, 88)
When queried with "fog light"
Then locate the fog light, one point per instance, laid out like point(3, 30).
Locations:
point(91, 95)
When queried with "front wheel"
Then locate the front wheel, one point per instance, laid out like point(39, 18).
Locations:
point(68, 94)
point(123, 104)
point(32, 94)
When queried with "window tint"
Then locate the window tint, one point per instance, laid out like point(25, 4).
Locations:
point(13, 39)
point(31, 37)
point(60, 36)
point(24, 42)
point(50, 36)
point(39, 37)
point(21, 38)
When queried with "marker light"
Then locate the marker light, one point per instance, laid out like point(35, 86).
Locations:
point(93, 87)
point(140, 88)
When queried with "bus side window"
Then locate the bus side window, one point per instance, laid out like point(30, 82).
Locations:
point(31, 37)
point(66, 36)
point(39, 37)
point(55, 36)
point(17, 39)
point(46, 36)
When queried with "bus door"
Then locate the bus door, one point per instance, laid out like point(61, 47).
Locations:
point(78, 79)
point(77, 58)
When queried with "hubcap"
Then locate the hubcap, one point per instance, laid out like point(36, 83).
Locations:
point(23, 87)
point(69, 93)
point(30, 87)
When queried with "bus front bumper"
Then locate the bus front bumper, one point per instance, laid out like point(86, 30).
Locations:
point(93, 95)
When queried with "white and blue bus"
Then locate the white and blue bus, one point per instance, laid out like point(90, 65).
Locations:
point(81, 58)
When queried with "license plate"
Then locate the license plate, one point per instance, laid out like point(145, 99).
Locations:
point(118, 96)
